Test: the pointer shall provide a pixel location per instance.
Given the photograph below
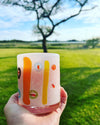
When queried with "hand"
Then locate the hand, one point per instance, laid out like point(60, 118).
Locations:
point(17, 115)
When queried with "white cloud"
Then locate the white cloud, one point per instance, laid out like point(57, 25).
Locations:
point(17, 34)
point(11, 16)
point(4, 24)
point(76, 33)
point(62, 34)
point(17, 13)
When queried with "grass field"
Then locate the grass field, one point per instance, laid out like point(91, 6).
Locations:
point(80, 76)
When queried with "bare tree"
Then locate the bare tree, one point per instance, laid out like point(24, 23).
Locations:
point(45, 10)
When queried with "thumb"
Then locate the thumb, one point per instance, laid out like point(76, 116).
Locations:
point(63, 101)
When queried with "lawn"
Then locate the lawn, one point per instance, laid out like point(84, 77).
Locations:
point(80, 76)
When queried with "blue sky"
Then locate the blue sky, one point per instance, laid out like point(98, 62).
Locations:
point(16, 23)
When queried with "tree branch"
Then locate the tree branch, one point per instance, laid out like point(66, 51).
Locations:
point(64, 20)
point(38, 18)
point(90, 8)
point(50, 32)
point(38, 24)
point(55, 5)
point(84, 3)
point(80, 3)
point(25, 4)
point(28, 8)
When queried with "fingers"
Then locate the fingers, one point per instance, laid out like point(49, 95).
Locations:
point(63, 94)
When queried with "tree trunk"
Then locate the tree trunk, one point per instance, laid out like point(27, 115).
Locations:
point(44, 45)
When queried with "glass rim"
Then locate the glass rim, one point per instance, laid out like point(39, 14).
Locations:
point(48, 54)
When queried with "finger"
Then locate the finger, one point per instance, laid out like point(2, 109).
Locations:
point(64, 97)
point(63, 101)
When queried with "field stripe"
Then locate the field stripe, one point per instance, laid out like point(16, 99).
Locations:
point(26, 79)
point(45, 82)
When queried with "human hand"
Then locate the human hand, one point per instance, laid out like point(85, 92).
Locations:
point(17, 115)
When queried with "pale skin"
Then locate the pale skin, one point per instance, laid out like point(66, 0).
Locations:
point(17, 115)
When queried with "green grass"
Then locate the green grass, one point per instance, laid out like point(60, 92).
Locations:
point(80, 76)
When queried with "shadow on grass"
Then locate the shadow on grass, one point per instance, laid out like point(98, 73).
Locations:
point(76, 82)
point(21, 47)
point(7, 57)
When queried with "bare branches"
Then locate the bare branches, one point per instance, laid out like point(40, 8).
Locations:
point(81, 3)
point(6, 1)
point(90, 8)
point(27, 5)
point(38, 20)
point(55, 5)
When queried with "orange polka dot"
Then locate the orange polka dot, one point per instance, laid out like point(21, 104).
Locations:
point(53, 85)
point(38, 67)
point(53, 67)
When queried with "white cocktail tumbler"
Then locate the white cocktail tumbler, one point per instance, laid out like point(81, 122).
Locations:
point(39, 81)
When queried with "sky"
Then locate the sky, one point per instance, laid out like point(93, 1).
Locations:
point(16, 23)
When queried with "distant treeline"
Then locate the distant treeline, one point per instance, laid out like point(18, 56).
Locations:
point(12, 41)
point(55, 44)
point(21, 41)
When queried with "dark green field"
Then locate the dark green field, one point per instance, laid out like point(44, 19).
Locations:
point(80, 76)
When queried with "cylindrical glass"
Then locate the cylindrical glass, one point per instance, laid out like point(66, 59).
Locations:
point(39, 81)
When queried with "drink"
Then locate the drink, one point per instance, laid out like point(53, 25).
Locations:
point(39, 82)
